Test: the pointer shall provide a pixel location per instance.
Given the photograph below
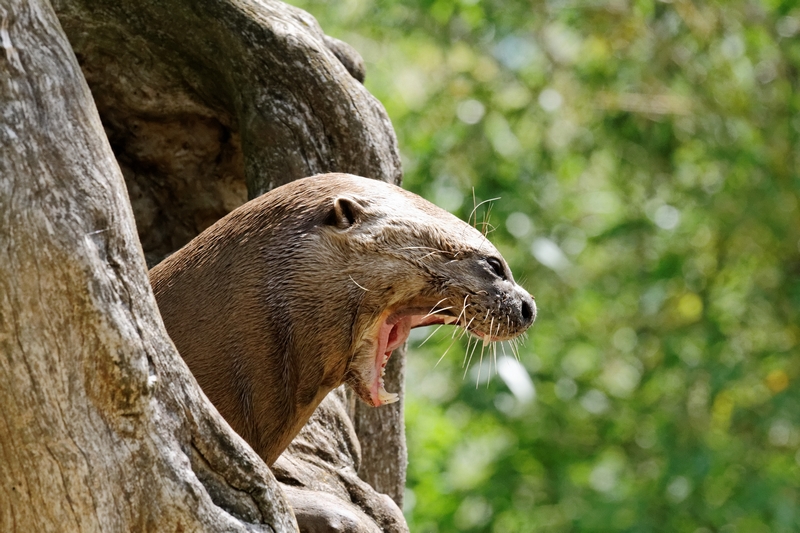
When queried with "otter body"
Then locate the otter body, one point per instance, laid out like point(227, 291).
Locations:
point(314, 284)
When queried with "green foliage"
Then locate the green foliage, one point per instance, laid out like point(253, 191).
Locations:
point(646, 159)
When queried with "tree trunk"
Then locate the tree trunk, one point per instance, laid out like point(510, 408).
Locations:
point(104, 429)
point(382, 435)
point(204, 104)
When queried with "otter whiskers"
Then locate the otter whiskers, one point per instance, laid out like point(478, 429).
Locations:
point(431, 251)
point(357, 284)
point(487, 338)
point(435, 311)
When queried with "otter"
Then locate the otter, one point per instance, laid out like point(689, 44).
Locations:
point(314, 284)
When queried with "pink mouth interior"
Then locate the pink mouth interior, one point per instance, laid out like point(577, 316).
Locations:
point(392, 334)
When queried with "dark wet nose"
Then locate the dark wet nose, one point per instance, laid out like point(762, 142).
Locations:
point(528, 310)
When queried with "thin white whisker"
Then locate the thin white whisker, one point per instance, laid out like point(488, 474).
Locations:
point(486, 340)
point(486, 216)
point(445, 353)
point(483, 348)
point(438, 250)
point(431, 335)
point(469, 361)
point(437, 303)
point(432, 312)
point(462, 313)
point(494, 349)
point(480, 363)
point(487, 228)
point(442, 310)
point(474, 212)
point(466, 353)
point(466, 329)
point(515, 348)
point(357, 285)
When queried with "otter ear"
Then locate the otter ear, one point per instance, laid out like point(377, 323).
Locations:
point(345, 212)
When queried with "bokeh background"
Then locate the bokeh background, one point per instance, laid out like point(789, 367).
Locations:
point(645, 157)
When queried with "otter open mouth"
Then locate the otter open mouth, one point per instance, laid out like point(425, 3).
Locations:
point(392, 334)
point(392, 330)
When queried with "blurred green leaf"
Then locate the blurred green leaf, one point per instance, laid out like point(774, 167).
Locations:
point(646, 158)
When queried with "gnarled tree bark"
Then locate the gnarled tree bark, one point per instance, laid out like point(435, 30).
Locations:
point(103, 426)
point(204, 104)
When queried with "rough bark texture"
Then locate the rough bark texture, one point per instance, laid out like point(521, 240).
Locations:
point(204, 103)
point(382, 435)
point(208, 101)
point(103, 427)
point(319, 472)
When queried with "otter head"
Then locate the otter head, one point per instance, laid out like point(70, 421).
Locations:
point(410, 264)
point(315, 284)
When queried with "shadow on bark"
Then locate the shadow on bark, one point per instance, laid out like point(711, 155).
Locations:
point(204, 105)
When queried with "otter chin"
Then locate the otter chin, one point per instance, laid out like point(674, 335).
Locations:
point(315, 284)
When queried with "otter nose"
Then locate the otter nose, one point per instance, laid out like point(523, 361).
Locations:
point(528, 308)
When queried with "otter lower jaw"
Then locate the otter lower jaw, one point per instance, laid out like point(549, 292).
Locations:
point(393, 331)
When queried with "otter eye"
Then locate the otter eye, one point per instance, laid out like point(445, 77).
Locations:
point(497, 267)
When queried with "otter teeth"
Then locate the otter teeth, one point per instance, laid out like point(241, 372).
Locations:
point(449, 319)
point(387, 397)
point(383, 395)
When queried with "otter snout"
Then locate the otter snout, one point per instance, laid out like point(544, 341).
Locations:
point(527, 307)
point(519, 309)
